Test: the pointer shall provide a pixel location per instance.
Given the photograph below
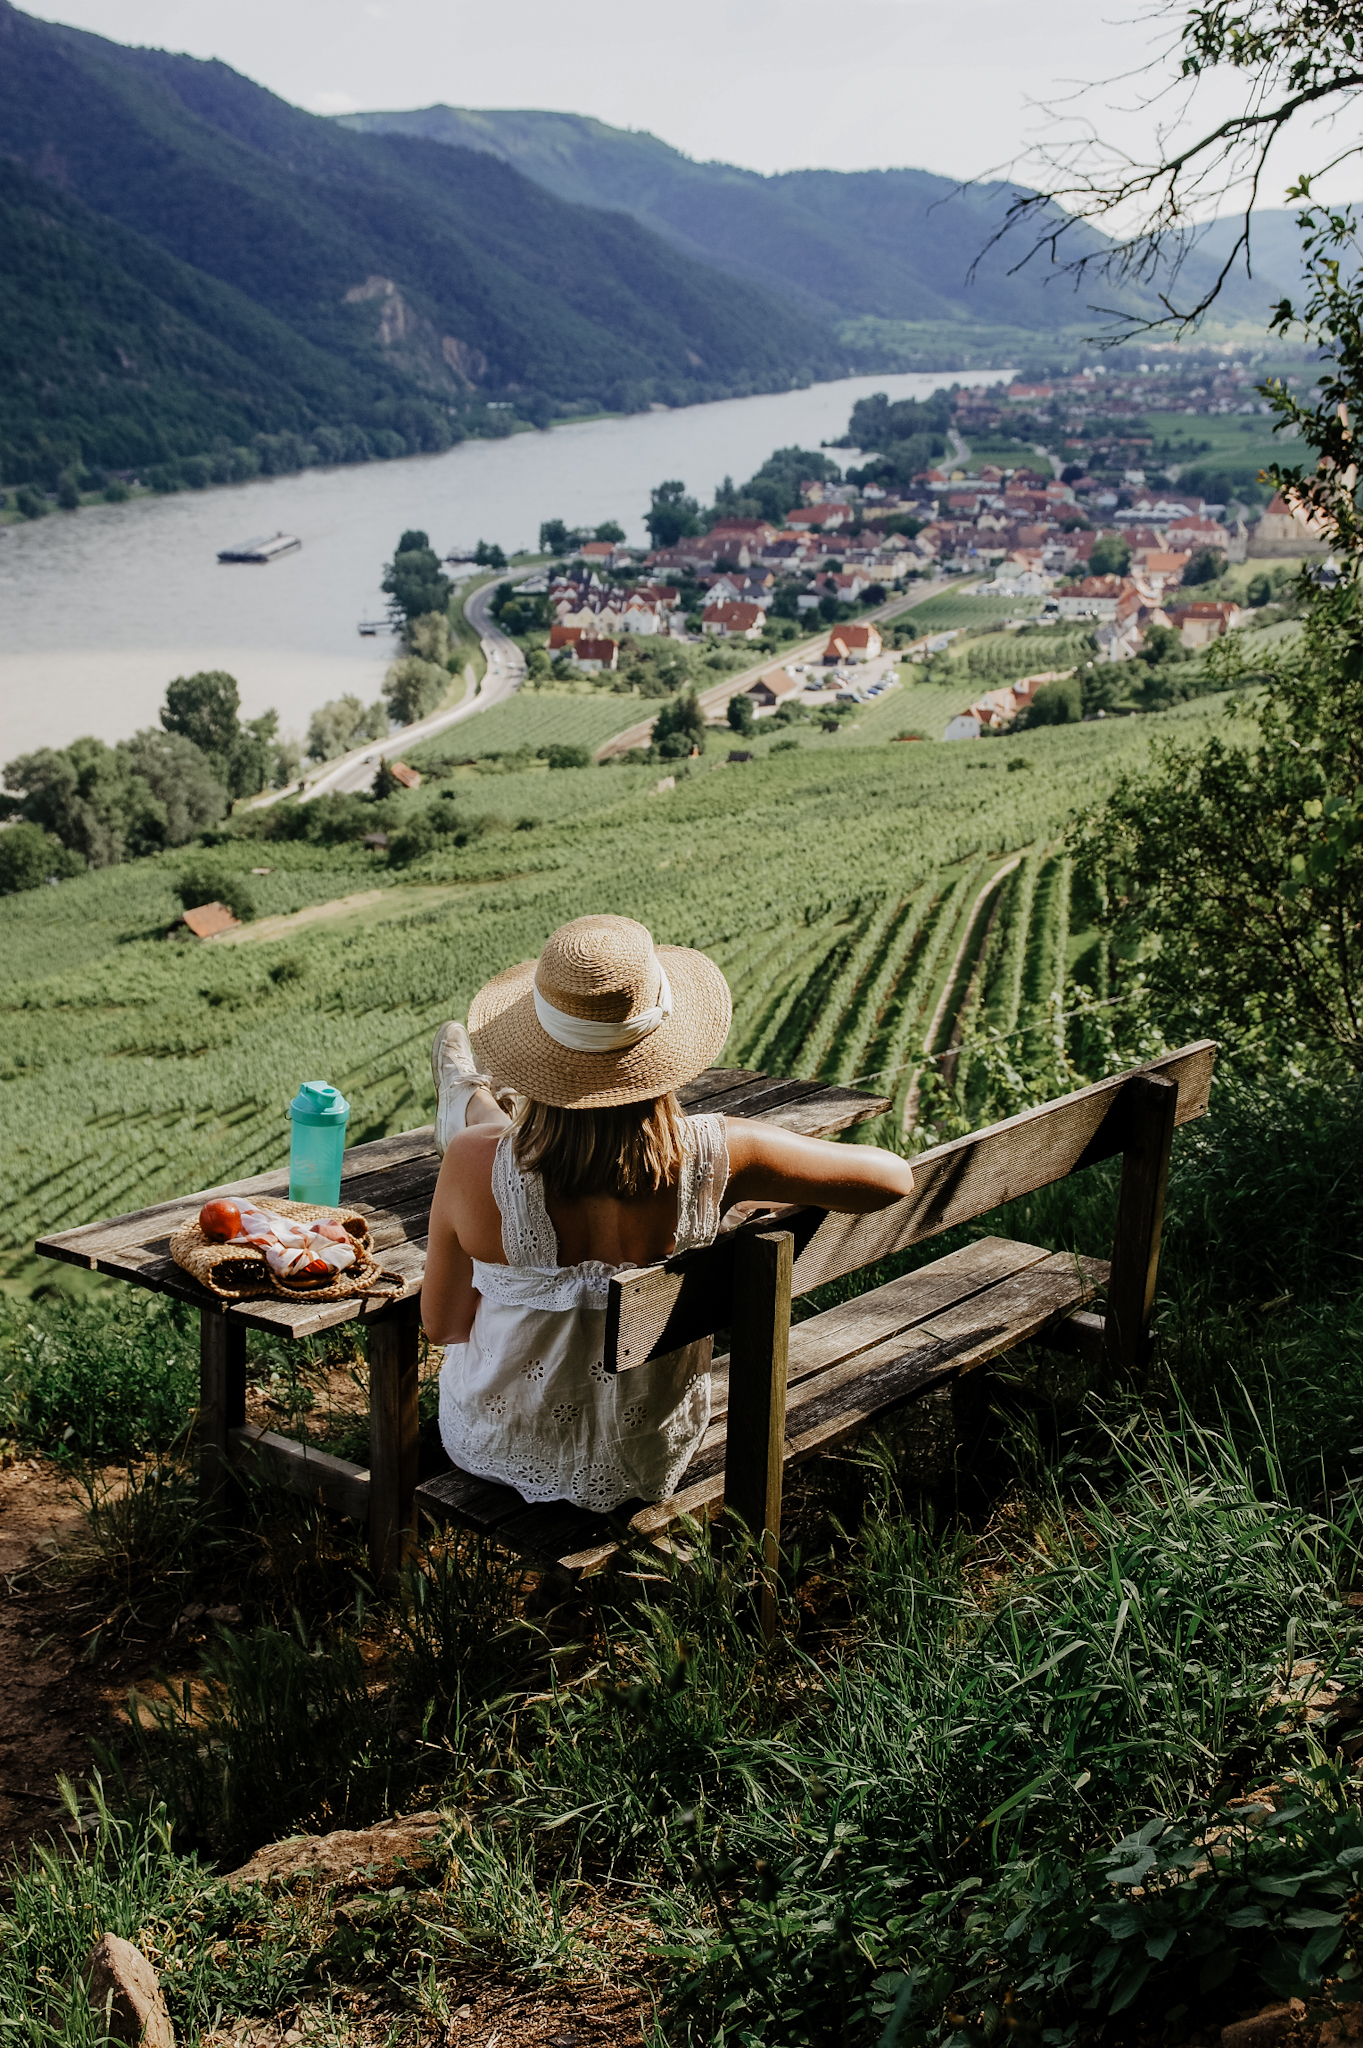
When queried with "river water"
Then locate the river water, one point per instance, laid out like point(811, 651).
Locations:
point(100, 609)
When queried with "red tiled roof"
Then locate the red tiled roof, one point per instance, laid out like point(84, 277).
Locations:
point(210, 919)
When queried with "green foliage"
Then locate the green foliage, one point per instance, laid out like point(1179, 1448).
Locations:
point(98, 1379)
point(680, 727)
point(1111, 555)
point(280, 1734)
point(741, 715)
point(111, 804)
point(412, 688)
point(414, 580)
point(1205, 565)
point(489, 555)
point(609, 530)
point(1059, 703)
point(203, 710)
point(564, 754)
point(207, 883)
point(671, 514)
point(344, 723)
point(555, 538)
point(774, 490)
point(29, 856)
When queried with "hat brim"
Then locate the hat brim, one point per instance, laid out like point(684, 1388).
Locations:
point(513, 1046)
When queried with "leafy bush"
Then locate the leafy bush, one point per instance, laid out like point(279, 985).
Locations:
point(101, 1378)
point(29, 856)
point(207, 884)
point(566, 755)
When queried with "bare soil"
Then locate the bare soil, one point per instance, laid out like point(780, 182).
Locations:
point(51, 1705)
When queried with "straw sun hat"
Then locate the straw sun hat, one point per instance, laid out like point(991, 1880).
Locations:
point(602, 1017)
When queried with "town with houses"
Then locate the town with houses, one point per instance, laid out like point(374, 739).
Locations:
point(1087, 526)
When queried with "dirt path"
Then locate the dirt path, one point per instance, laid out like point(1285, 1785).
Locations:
point(50, 1705)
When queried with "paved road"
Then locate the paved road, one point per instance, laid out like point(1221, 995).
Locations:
point(505, 674)
point(716, 699)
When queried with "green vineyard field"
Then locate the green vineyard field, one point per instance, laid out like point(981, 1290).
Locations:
point(864, 899)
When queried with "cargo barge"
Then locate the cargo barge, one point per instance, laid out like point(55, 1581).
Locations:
point(267, 550)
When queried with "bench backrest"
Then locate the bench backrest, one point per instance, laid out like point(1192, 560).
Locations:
point(656, 1309)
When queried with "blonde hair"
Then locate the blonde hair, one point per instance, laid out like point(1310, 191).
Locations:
point(629, 1149)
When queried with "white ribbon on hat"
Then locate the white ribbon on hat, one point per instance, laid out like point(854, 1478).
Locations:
point(588, 1034)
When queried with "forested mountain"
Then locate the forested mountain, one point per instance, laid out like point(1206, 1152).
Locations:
point(197, 259)
point(894, 245)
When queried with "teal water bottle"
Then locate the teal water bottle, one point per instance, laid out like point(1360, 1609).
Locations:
point(318, 1114)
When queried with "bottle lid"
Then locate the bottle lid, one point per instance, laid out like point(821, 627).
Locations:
point(317, 1102)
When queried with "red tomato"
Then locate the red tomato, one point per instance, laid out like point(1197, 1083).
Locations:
point(220, 1220)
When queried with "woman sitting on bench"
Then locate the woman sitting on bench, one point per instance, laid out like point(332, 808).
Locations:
point(598, 1169)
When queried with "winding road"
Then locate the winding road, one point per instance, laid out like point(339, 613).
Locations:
point(505, 674)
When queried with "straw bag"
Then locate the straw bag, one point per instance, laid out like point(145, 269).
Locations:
point(235, 1272)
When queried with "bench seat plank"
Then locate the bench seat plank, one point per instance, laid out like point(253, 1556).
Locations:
point(857, 1363)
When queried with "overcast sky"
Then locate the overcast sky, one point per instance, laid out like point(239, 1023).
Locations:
point(944, 85)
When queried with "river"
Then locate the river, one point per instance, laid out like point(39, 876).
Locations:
point(99, 609)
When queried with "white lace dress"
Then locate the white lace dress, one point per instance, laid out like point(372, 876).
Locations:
point(528, 1401)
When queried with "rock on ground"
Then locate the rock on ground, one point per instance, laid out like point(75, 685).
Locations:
point(123, 1982)
point(350, 1855)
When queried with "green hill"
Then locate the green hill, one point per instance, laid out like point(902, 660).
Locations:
point(894, 245)
point(355, 274)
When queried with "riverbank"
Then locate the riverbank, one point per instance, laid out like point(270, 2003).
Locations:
point(154, 602)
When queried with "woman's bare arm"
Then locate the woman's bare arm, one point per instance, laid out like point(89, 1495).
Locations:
point(464, 1223)
point(767, 1164)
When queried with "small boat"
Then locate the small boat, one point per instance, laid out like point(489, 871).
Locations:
point(267, 549)
point(369, 627)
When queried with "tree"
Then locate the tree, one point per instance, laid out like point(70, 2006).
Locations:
point(680, 727)
point(1111, 555)
point(29, 857)
point(671, 515)
point(429, 636)
point(566, 754)
point(385, 783)
point(609, 531)
point(203, 709)
point(489, 555)
point(1161, 644)
point(181, 778)
point(87, 796)
point(412, 688)
point(414, 580)
point(1207, 565)
point(1285, 62)
point(1059, 703)
point(742, 717)
point(342, 724)
point(554, 537)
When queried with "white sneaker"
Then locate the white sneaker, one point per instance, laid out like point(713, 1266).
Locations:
point(456, 1076)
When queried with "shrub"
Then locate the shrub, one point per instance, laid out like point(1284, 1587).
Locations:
point(98, 1378)
point(116, 491)
point(562, 754)
point(29, 857)
point(30, 502)
point(207, 884)
point(742, 717)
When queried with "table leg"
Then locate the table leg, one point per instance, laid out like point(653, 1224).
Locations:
point(394, 1345)
point(222, 1402)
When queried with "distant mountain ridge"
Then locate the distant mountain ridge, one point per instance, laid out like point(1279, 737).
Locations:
point(429, 279)
point(890, 245)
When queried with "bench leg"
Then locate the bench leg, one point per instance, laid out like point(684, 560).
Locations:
point(394, 1345)
point(222, 1403)
point(1151, 1102)
point(760, 1342)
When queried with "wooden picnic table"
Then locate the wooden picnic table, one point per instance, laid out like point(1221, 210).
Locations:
point(390, 1182)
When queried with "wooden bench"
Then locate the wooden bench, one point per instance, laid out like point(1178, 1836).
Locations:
point(784, 1395)
point(389, 1181)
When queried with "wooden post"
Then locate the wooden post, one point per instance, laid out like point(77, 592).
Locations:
point(394, 1345)
point(1150, 1103)
point(222, 1402)
point(755, 1453)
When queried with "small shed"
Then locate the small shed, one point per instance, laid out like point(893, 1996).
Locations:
point(410, 778)
point(773, 688)
point(208, 920)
